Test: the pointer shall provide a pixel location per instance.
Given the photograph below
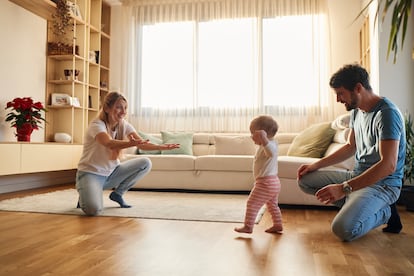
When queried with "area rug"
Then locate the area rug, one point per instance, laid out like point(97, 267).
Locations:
point(212, 207)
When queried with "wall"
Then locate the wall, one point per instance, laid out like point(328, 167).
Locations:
point(396, 81)
point(23, 61)
point(344, 33)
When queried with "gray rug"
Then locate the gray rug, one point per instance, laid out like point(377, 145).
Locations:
point(211, 207)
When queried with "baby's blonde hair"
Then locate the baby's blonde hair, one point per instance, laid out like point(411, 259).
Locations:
point(266, 123)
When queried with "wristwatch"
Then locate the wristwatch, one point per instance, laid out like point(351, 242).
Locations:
point(346, 188)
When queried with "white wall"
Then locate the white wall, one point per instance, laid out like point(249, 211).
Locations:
point(396, 81)
point(344, 33)
point(23, 62)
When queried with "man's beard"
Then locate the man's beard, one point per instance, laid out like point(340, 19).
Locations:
point(353, 104)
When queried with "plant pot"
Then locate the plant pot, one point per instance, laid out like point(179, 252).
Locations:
point(23, 137)
point(407, 198)
point(23, 133)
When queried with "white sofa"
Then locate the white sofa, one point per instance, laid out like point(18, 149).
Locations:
point(223, 162)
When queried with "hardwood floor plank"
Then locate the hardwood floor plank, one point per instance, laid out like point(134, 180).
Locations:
point(46, 244)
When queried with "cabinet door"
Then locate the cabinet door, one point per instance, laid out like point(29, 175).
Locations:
point(47, 157)
point(10, 159)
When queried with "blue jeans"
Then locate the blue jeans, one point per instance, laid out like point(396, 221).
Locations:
point(90, 186)
point(361, 211)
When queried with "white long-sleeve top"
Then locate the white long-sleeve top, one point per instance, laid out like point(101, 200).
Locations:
point(265, 160)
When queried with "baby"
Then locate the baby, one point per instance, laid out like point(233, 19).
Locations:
point(267, 185)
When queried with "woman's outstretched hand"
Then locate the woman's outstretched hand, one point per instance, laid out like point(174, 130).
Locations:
point(169, 146)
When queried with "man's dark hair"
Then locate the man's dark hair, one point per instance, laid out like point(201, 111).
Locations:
point(348, 77)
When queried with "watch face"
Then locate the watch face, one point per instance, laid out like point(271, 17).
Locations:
point(347, 189)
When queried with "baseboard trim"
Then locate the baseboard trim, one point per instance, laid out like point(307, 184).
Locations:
point(20, 182)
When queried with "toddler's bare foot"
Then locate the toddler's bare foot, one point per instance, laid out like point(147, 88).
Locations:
point(275, 229)
point(244, 229)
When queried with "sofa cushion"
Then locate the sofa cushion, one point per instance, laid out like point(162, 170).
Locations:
point(152, 139)
point(173, 162)
point(183, 138)
point(234, 145)
point(288, 165)
point(341, 122)
point(313, 141)
point(224, 163)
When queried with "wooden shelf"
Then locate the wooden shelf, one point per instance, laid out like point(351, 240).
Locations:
point(42, 8)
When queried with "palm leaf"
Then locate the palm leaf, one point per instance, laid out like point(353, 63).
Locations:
point(400, 15)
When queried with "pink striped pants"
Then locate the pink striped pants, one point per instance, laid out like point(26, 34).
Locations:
point(265, 191)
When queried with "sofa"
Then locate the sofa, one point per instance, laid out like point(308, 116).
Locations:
point(223, 161)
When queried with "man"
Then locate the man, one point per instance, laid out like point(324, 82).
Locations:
point(366, 195)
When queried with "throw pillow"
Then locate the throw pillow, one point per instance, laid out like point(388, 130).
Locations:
point(341, 122)
point(153, 140)
point(184, 139)
point(313, 141)
point(234, 145)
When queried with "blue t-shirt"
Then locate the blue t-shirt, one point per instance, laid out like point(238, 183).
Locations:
point(383, 122)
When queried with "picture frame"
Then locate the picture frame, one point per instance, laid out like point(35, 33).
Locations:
point(74, 10)
point(75, 102)
point(61, 99)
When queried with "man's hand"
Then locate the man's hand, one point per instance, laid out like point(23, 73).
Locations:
point(304, 169)
point(330, 193)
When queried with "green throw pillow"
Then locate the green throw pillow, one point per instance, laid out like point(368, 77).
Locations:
point(153, 140)
point(184, 139)
point(313, 141)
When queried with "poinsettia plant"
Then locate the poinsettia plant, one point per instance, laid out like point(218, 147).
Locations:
point(25, 114)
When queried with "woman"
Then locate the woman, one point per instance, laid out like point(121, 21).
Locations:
point(100, 168)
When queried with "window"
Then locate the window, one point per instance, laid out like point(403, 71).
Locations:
point(205, 66)
point(216, 64)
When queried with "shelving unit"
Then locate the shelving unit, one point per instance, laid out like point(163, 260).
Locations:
point(89, 37)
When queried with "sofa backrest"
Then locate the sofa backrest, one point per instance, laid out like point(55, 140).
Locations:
point(242, 144)
point(228, 143)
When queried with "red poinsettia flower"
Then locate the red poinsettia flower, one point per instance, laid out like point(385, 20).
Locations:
point(25, 114)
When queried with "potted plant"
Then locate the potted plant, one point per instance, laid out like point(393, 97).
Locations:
point(60, 26)
point(407, 192)
point(25, 116)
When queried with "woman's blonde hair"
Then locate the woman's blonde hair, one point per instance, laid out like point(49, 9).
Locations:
point(109, 101)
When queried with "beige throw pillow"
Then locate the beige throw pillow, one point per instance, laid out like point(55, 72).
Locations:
point(313, 141)
point(234, 145)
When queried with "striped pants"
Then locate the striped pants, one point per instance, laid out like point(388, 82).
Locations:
point(265, 191)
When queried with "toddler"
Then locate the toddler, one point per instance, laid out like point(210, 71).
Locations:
point(267, 185)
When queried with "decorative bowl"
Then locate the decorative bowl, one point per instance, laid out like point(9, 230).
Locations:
point(62, 137)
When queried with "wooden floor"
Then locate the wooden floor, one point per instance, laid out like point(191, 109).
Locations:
point(46, 244)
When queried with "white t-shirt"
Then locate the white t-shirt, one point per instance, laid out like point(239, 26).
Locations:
point(96, 158)
point(265, 160)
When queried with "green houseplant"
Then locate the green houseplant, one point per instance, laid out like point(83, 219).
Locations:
point(409, 155)
point(407, 192)
point(401, 12)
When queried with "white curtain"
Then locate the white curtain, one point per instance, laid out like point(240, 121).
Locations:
point(226, 62)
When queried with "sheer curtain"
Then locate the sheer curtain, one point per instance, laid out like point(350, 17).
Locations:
point(212, 65)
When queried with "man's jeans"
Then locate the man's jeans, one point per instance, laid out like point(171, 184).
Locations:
point(361, 211)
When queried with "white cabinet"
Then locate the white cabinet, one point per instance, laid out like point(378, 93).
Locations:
point(20, 158)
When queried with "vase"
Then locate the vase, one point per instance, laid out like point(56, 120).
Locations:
point(23, 134)
point(23, 137)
